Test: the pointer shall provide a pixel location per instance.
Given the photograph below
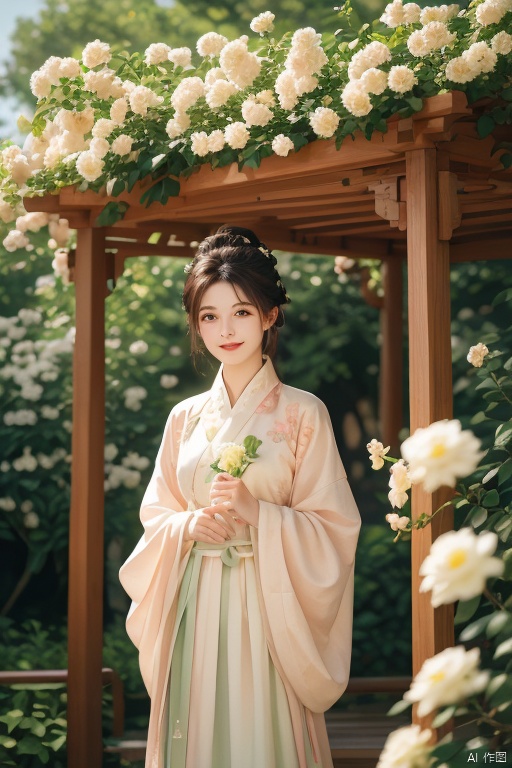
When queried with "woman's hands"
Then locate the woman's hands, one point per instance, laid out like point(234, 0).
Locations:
point(232, 494)
point(210, 525)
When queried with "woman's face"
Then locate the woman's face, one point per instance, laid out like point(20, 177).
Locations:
point(231, 327)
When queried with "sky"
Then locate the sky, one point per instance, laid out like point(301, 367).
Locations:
point(9, 12)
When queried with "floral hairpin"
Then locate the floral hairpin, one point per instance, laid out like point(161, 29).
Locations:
point(188, 267)
point(265, 251)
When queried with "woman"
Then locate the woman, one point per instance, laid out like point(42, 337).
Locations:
point(242, 587)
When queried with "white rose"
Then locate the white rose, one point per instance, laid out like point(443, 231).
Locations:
point(47, 412)
point(40, 84)
point(480, 56)
point(118, 111)
point(355, 99)
point(104, 84)
point(412, 13)
point(239, 65)
point(447, 678)
point(7, 213)
point(32, 222)
point(156, 53)
point(211, 44)
point(374, 80)
point(306, 84)
point(256, 114)
point(70, 68)
point(236, 135)
point(401, 79)
point(31, 391)
point(187, 93)
point(407, 747)
point(231, 457)
point(438, 13)
point(399, 482)
point(7, 504)
point(76, 122)
point(180, 57)
point(305, 61)
point(29, 316)
point(138, 347)
point(20, 170)
point(476, 355)
point(133, 460)
point(417, 44)
point(266, 97)
point(263, 23)
point(27, 462)
point(439, 454)
point(103, 127)
point(491, 12)
point(99, 147)
point(15, 240)
point(142, 98)
point(286, 90)
point(502, 43)
point(199, 143)
point(375, 448)
point(213, 75)
point(305, 38)
point(459, 70)
point(393, 15)
point(131, 478)
point(216, 141)
point(219, 92)
point(122, 145)
point(396, 522)
point(459, 564)
point(177, 125)
point(437, 35)
point(96, 53)
point(282, 145)
point(110, 452)
point(324, 122)
point(89, 166)
point(168, 381)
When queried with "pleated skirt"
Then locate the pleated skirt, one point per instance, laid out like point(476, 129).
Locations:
point(226, 703)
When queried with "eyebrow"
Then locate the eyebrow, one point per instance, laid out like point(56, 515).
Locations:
point(238, 304)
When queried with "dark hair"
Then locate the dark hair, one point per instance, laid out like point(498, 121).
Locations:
point(235, 255)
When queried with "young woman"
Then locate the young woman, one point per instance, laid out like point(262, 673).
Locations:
point(242, 586)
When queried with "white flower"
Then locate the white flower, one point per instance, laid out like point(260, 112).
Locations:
point(372, 55)
point(436, 35)
point(20, 170)
point(401, 79)
point(459, 564)
point(168, 381)
point(76, 122)
point(104, 84)
point(219, 92)
point(440, 453)
point(305, 38)
point(447, 678)
point(180, 57)
point(396, 522)
point(285, 87)
point(7, 213)
point(407, 747)
point(396, 14)
point(110, 451)
point(199, 143)
point(96, 53)
point(89, 166)
point(374, 81)
point(412, 13)
point(459, 70)
point(399, 482)
point(99, 147)
point(282, 145)
point(156, 53)
point(476, 355)
point(239, 65)
point(134, 461)
point(231, 457)
point(138, 347)
point(26, 506)
point(60, 264)
point(417, 44)
point(31, 520)
point(492, 11)
point(70, 68)
point(438, 13)
point(213, 75)
point(142, 98)
point(15, 240)
point(305, 62)
point(187, 93)
point(40, 84)
point(118, 110)
point(255, 114)
point(176, 125)
point(29, 316)
point(211, 44)
point(122, 145)
point(27, 462)
point(31, 391)
point(104, 127)
point(481, 57)
point(7, 504)
point(324, 122)
point(263, 23)
point(47, 412)
point(343, 264)
point(133, 396)
point(236, 135)
point(20, 418)
point(266, 97)
point(377, 453)
point(31, 222)
point(355, 99)
point(502, 43)
point(216, 141)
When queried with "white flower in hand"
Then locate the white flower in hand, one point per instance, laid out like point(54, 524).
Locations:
point(377, 452)
point(476, 355)
point(459, 564)
point(406, 748)
point(440, 453)
point(447, 678)
point(231, 457)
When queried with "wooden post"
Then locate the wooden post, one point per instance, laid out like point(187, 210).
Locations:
point(391, 354)
point(430, 367)
point(85, 606)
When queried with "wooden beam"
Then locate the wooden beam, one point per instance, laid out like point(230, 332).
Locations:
point(391, 355)
point(85, 607)
point(430, 379)
point(481, 249)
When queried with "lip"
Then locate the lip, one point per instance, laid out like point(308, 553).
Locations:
point(231, 347)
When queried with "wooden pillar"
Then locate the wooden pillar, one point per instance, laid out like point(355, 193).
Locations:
point(430, 368)
point(391, 355)
point(85, 605)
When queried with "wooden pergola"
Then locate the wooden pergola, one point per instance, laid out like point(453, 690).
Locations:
point(428, 192)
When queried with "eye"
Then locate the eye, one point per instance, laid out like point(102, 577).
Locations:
point(243, 312)
point(208, 317)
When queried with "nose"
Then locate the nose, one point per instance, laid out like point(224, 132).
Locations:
point(227, 328)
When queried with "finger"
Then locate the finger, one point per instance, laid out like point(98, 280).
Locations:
point(225, 522)
point(217, 533)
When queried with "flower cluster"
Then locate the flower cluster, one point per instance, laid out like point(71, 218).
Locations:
point(97, 117)
point(234, 458)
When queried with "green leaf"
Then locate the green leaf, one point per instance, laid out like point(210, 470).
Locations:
point(415, 103)
point(7, 742)
point(503, 648)
point(507, 559)
point(251, 444)
point(491, 499)
point(476, 628)
point(498, 623)
point(485, 125)
point(447, 750)
point(118, 188)
point(443, 717)
point(399, 707)
point(466, 609)
point(502, 692)
point(111, 213)
point(490, 474)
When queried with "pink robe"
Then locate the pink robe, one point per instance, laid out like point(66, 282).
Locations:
point(302, 568)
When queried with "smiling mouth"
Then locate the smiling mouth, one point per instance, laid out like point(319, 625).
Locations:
point(231, 346)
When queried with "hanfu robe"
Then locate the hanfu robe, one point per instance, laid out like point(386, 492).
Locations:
point(243, 646)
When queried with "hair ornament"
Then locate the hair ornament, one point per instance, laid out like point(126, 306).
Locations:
point(188, 267)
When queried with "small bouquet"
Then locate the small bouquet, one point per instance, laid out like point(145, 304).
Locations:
point(234, 458)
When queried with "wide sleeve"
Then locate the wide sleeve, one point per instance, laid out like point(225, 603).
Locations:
point(305, 560)
point(152, 573)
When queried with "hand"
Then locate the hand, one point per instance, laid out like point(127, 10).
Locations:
point(210, 525)
point(233, 495)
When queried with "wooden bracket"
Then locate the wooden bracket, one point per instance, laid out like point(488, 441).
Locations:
point(387, 203)
point(449, 210)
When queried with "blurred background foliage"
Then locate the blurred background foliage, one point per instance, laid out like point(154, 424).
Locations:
point(330, 345)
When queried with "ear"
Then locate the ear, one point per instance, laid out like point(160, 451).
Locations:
point(270, 318)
